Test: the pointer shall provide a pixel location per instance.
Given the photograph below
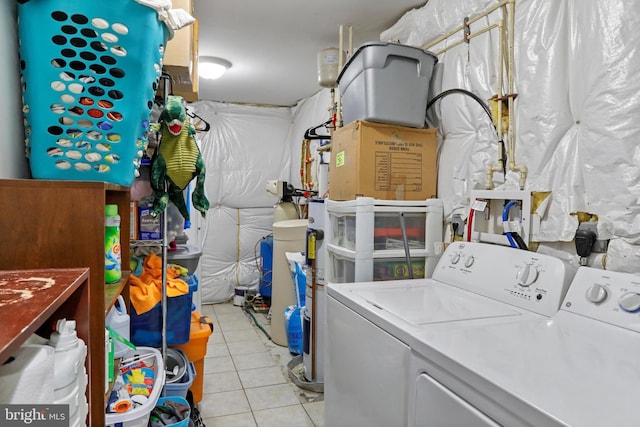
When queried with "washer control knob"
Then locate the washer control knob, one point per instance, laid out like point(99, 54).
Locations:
point(527, 275)
point(468, 261)
point(597, 293)
point(455, 258)
point(630, 302)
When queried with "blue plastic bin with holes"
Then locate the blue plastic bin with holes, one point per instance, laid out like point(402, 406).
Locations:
point(90, 71)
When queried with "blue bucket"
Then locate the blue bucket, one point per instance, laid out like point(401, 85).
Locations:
point(180, 388)
point(177, 399)
point(90, 71)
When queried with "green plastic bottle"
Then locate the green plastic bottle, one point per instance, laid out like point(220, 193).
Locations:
point(113, 257)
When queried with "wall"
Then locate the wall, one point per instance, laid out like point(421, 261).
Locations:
point(246, 146)
point(576, 129)
point(13, 163)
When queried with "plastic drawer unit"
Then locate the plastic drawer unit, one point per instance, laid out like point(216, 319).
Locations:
point(365, 239)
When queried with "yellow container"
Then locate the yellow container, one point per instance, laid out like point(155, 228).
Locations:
point(196, 349)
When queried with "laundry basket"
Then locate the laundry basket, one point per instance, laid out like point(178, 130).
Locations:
point(90, 71)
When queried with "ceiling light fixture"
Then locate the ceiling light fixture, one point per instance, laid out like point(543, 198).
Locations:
point(211, 68)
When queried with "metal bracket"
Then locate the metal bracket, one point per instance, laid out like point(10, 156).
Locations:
point(467, 30)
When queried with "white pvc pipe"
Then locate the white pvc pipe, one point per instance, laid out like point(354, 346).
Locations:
point(471, 36)
point(461, 27)
point(511, 60)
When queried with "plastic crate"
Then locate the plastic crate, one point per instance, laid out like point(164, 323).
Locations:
point(89, 77)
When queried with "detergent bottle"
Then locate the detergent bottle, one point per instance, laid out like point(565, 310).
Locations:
point(112, 261)
point(119, 321)
point(70, 375)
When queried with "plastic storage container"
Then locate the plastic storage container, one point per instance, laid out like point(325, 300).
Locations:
point(196, 350)
point(365, 242)
point(186, 256)
point(181, 387)
point(89, 77)
point(366, 224)
point(139, 416)
point(387, 83)
point(177, 399)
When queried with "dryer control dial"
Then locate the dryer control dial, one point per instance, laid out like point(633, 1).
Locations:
point(455, 258)
point(630, 302)
point(597, 293)
point(468, 261)
point(527, 275)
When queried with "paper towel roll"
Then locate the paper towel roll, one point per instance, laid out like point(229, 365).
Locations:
point(27, 378)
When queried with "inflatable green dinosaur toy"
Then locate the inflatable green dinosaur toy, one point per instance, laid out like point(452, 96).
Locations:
point(177, 161)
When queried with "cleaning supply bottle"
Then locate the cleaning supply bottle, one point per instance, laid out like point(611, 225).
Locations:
point(70, 374)
point(119, 321)
point(70, 353)
point(112, 260)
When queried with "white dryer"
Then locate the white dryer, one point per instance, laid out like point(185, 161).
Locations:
point(371, 327)
point(580, 368)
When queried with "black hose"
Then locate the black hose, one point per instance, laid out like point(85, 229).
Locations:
point(519, 241)
point(484, 106)
point(255, 321)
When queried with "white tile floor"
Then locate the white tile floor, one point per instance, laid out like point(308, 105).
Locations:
point(246, 380)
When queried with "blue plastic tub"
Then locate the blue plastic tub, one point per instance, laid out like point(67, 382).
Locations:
point(181, 400)
point(181, 388)
point(90, 71)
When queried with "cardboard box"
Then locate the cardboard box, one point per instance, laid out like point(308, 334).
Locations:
point(383, 161)
point(149, 226)
point(181, 57)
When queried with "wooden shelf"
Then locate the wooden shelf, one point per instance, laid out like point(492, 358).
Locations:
point(31, 298)
point(60, 224)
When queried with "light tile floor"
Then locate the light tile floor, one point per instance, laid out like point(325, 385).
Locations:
point(246, 379)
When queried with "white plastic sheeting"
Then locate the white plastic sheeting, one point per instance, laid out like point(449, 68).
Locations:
point(245, 147)
point(577, 76)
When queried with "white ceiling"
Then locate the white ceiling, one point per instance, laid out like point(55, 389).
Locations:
point(273, 45)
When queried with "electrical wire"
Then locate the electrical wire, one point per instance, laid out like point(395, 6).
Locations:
point(505, 218)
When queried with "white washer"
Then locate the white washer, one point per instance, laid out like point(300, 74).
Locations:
point(580, 368)
point(371, 327)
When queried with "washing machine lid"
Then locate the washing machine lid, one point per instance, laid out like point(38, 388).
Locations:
point(424, 302)
point(570, 368)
